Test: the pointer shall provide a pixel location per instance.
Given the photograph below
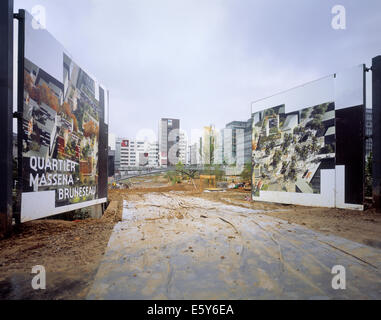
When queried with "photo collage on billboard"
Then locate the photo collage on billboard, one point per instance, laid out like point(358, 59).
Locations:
point(290, 149)
point(64, 131)
point(308, 143)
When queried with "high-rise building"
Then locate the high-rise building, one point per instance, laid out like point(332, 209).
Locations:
point(189, 149)
point(153, 154)
point(195, 153)
point(208, 145)
point(234, 144)
point(219, 148)
point(112, 141)
point(169, 142)
point(130, 153)
point(111, 162)
point(117, 153)
point(248, 141)
point(229, 147)
point(183, 147)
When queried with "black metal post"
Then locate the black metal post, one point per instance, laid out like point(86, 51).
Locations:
point(20, 109)
point(6, 115)
point(376, 89)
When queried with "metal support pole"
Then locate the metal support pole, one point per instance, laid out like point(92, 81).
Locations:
point(20, 109)
point(6, 116)
point(376, 89)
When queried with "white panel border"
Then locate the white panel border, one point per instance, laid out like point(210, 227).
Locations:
point(308, 95)
point(325, 199)
point(38, 205)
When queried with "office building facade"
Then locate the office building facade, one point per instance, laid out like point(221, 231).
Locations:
point(183, 147)
point(169, 142)
point(153, 154)
point(130, 153)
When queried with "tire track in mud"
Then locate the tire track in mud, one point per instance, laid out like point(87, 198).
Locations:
point(175, 205)
point(243, 234)
point(292, 244)
point(283, 265)
point(169, 280)
point(327, 244)
point(313, 258)
point(243, 256)
point(217, 217)
point(243, 264)
point(180, 204)
point(252, 245)
point(289, 268)
point(276, 242)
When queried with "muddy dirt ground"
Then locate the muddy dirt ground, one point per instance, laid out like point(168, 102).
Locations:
point(170, 245)
point(359, 226)
point(71, 251)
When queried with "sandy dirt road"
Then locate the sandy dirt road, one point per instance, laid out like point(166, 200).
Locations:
point(174, 246)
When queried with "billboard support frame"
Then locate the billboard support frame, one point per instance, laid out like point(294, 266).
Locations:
point(20, 16)
point(365, 70)
point(6, 117)
point(376, 134)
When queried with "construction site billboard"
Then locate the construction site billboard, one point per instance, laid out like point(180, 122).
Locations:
point(308, 143)
point(64, 131)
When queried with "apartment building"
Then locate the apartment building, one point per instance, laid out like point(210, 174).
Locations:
point(130, 153)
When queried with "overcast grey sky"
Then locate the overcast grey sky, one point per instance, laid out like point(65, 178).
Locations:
point(204, 61)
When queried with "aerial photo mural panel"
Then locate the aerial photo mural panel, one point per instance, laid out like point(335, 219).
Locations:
point(62, 116)
point(290, 149)
point(308, 144)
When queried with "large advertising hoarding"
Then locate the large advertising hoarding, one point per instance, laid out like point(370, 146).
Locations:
point(64, 132)
point(308, 143)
